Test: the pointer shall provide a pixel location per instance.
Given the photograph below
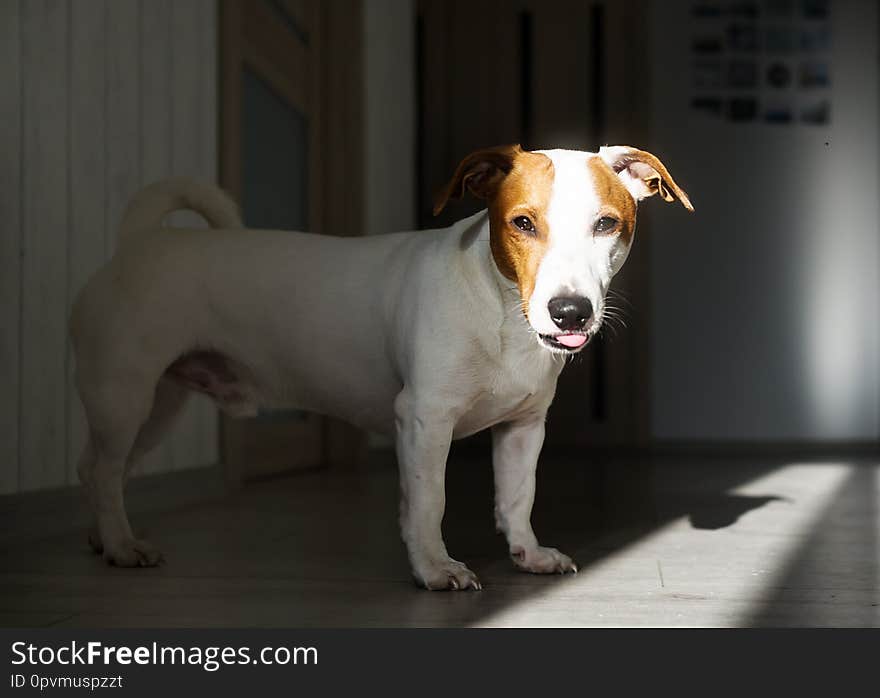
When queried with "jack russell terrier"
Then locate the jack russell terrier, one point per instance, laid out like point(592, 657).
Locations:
point(428, 336)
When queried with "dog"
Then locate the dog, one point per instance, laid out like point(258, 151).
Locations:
point(427, 336)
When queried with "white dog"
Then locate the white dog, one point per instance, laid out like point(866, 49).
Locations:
point(428, 336)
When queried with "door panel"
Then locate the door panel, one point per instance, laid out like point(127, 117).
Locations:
point(275, 147)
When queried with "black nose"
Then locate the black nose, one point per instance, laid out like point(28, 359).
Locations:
point(570, 313)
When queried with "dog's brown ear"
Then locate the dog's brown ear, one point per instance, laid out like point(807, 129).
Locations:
point(643, 174)
point(480, 173)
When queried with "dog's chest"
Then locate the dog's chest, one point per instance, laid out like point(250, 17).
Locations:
point(520, 384)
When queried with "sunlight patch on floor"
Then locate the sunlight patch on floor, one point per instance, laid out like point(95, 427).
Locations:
point(682, 576)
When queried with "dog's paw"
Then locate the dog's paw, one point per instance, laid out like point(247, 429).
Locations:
point(445, 574)
point(541, 560)
point(133, 553)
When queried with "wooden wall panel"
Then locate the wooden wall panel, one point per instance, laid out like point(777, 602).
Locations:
point(99, 98)
point(88, 174)
point(156, 70)
point(10, 242)
point(123, 111)
point(44, 265)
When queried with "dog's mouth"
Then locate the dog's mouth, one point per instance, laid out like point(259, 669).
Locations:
point(568, 342)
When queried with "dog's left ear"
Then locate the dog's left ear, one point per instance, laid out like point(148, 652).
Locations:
point(480, 173)
point(643, 174)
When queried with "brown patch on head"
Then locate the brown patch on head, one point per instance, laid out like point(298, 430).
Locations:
point(525, 191)
point(515, 183)
point(615, 200)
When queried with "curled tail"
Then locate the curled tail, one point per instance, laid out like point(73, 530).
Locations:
point(151, 204)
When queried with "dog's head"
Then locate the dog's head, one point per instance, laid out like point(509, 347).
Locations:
point(561, 225)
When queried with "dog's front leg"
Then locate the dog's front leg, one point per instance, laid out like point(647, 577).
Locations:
point(515, 450)
point(423, 438)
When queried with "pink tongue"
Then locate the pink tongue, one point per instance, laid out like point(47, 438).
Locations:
point(571, 340)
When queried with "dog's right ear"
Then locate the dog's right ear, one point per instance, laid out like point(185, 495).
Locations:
point(480, 172)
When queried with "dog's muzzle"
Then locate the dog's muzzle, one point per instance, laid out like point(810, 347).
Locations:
point(571, 314)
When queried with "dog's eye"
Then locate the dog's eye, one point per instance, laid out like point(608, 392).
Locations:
point(524, 223)
point(605, 224)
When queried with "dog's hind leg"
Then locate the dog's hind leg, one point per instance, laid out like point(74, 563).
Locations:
point(168, 402)
point(117, 415)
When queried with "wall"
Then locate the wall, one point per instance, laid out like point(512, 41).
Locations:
point(98, 99)
point(765, 317)
point(389, 115)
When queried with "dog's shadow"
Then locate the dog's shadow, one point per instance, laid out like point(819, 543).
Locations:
point(716, 511)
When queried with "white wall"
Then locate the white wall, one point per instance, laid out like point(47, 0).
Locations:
point(97, 99)
point(765, 301)
point(389, 115)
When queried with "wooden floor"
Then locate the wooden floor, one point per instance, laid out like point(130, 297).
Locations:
point(669, 542)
